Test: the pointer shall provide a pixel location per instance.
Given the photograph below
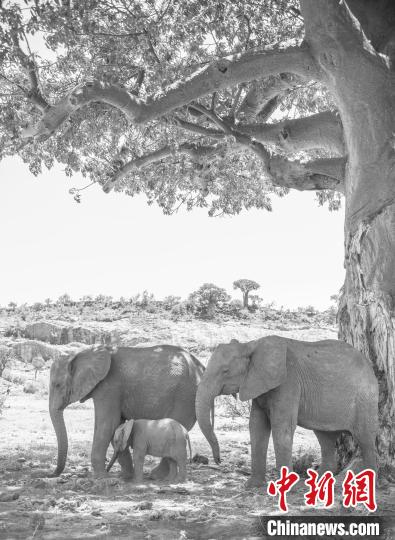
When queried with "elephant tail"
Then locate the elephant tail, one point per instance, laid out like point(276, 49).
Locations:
point(189, 446)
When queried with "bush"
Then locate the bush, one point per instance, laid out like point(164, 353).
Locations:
point(209, 299)
point(235, 408)
point(302, 462)
point(170, 302)
point(5, 356)
point(31, 388)
point(179, 310)
point(3, 397)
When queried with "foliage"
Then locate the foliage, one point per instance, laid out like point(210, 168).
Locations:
point(246, 286)
point(144, 47)
point(303, 461)
point(236, 408)
point(169, 302)
point(208, 299)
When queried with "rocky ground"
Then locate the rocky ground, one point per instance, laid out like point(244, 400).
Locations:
point(212, 504)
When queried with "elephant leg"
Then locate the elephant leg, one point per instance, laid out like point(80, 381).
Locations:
point(161, 471)
point(182, 470)
point(107, 419)
point(259, 433)
point(327, 440)
point(138, 459)
point(173, 470)
point(366, 441)
point(126, 463)
point(283, 434)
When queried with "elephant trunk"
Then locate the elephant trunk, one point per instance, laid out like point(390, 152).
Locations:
point(61, 436)
point(112, 461)
point(205, 404)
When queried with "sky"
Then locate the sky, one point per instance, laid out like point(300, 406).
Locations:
point(117, 245)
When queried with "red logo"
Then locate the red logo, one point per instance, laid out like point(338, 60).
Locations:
point(282, 486)
point(321, 489)
point(360, 489)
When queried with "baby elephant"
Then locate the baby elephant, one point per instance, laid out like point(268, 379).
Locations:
point(160, 438)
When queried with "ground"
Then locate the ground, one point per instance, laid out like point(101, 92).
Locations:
point(212, 504)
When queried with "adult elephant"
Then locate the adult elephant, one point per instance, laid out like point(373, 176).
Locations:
point(129, 382)
point(326, 386)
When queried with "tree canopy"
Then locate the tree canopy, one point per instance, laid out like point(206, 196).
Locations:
point(96, 87)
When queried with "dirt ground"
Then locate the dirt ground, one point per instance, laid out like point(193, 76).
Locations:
point(212, 504)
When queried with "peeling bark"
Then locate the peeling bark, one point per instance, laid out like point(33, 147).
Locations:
point(363, 85)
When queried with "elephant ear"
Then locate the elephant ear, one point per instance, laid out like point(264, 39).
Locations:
point(87, 369)
point(122, 434)
point(267, 368)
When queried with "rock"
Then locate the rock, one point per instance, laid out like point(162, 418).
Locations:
point(7, 496)
point(144, 505)
point(21, 460)
point(61, 334)
point(31, 388)
point(26, 350)
point(198, 458)
point(39, 483)
point(155, 515)
point(96, 513)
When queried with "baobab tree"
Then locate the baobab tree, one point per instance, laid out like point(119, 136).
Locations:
point(219, 105)
point(246, 286)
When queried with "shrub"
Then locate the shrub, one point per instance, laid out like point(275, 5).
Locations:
point(179, 310)
point(170, 302)
point(208, 299)
point(3, 397)
point(235, 408)
point(5, 356)
point(302, 462)
point(31, 388)
point(234, 307)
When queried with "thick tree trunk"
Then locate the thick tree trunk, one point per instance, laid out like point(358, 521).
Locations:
point(363, 85)
point(245, 299)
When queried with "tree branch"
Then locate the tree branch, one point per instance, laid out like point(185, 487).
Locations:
point(264, 90)
point(34, 94)
point(195, 151)
point(314, 175)
point(221, 74)
point(322, 130)
point(201, 130)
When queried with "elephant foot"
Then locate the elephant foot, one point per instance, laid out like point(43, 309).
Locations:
point(127, 476)
point(100, 475)
point(161, 471)
point(255, 482)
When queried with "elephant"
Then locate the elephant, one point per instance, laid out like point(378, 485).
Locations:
point(327, 386)
point(128, 382)
point(160, 438)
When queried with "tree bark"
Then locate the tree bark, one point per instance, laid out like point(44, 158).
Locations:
point(363, 84)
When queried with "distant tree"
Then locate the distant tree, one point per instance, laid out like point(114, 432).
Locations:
point(208, 298)
point(86, 300)
point(48, 302)
point(246, 286)
point(37, 306)
point(64, 300)
point(255, 300)
point(12, 306)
